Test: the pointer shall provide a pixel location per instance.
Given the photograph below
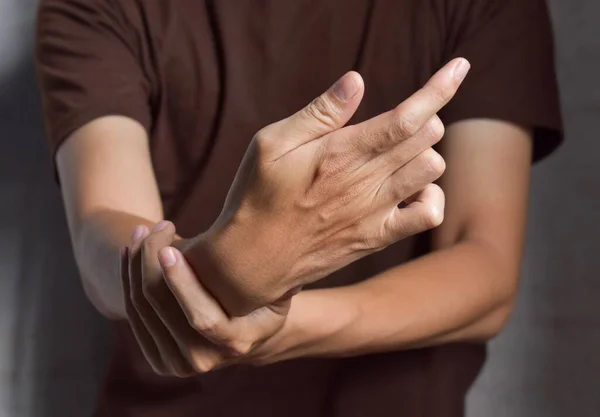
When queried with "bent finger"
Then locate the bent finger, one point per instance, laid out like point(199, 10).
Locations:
point(424, 213)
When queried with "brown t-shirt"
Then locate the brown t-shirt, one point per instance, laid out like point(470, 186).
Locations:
point(203, 76)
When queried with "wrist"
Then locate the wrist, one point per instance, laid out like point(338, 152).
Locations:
point(237, 263)
point(215, 268)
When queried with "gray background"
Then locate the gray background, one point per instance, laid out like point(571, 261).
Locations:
point(53, 346)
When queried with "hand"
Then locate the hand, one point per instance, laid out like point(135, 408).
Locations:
point(179, 326)
point(311, 197)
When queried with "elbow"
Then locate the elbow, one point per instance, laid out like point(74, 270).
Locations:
point(495, 323)
point(109, 312)
point(496, 320)
point(105, 299)
point(503, 308)
point(504, 286)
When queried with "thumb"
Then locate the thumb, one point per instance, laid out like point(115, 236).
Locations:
point(328, 112)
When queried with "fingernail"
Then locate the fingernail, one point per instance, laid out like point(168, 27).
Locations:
point(166, 256)
point(461, 68)
point(137, 233)
point(160, 226)
point(345, 88)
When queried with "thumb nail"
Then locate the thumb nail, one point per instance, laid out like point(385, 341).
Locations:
point(461, 68)
point(346, 87)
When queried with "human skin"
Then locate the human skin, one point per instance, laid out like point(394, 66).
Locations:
point(463, 291)
point(211, 337)
point(310, 197)
point(105, 201)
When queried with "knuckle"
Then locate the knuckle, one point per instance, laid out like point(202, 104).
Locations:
point(434, 163)
point(204, 325)
point(201, 365)
point(323, 111)
point(407, 125)
point(262, 142)
point(239, 348)
point(432, 217)
point(148, 245)
point(437, 128)
point(262, 135)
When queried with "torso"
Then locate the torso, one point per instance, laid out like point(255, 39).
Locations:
point(218, 71)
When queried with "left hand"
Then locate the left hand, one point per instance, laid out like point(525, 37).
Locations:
point(180, 327)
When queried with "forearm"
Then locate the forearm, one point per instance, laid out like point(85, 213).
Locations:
point(97, 241)
point(456, 294)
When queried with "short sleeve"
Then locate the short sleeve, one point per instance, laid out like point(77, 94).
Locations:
point(511, 49)
point(87, 67)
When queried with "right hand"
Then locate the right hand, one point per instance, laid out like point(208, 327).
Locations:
point(312, 196)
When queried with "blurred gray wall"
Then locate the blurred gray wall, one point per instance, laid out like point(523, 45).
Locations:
point(53, 346)
point(547, 361)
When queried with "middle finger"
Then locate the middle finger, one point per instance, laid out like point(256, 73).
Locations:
point(381, 133)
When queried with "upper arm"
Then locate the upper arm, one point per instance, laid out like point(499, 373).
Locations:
point(509, 44)
point(486, 185)
point(106, 165)
point(505, 115)
point(96, 96)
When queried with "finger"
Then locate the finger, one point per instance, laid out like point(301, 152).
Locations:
point(422, 170)
point(430, 134)
point(169, 350)
point(434, 95)
point(155, 288)
point(386, 130)
point(197, 350)
point(203, 313)
point(202, 310)
point(202, 354)
point(328, 112)
point(161, 235)
point(144, 338)
point(424, 213)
